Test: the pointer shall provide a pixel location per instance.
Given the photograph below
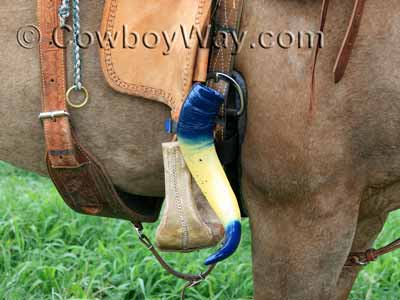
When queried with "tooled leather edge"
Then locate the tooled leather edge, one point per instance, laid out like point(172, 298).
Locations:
point(118, 84)
point(59, 147)
point(187, 78)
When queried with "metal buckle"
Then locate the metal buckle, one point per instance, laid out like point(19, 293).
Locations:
point(143, 238)
point(53, 114)
point(196, 282)
point(356, 260)
point(217, 76)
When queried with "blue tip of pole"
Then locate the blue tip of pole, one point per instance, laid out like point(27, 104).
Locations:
point(232, 240)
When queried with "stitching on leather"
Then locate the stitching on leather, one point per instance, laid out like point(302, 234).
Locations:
point(227, 62)
point(223, 61)
point(186, 79)
point(141, 90)
point(221, 52)
point(173, 165)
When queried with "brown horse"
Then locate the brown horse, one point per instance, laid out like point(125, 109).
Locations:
point(316, 188)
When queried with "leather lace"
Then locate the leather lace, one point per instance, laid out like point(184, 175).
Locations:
point(192, 279)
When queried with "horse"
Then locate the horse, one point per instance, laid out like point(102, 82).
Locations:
point(317, 183)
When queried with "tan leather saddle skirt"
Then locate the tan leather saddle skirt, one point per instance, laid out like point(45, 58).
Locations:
point(152, 68)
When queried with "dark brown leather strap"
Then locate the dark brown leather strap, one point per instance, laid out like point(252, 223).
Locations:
point(357, 259)
point(343, 57)
point(80, 179)
point(226, 18)
point(324, 13)
point(192, 279)
point(351, 35)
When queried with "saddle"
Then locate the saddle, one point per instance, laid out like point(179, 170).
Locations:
point(170, 78)
point(80, 178)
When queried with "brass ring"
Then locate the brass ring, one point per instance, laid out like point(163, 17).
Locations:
point(80, 105)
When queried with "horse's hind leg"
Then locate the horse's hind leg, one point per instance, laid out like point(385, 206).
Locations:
point(367, 231)
point(300, 245)
point(373, 214)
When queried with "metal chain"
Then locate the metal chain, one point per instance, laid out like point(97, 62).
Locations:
point(76, 49)
point(64, 13)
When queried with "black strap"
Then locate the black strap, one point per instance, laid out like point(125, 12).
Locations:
point(229, 149)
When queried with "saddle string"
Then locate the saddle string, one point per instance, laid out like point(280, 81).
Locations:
point(343, 57)
point(324, 13)
point(192, 279)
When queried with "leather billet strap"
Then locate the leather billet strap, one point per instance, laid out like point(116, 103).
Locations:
point(226, 18)
point(80, 179)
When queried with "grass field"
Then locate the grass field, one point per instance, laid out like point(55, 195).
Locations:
point(49, 252)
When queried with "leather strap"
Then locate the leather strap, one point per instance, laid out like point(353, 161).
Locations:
point(192, 279)
point(59, 144)
point(357, 259)
point(344, 54)
point(226, 18)
point(80, 179)
point(324, 13)
point(351, 35)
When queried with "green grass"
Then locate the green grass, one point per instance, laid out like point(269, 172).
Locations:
point(49, 252)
